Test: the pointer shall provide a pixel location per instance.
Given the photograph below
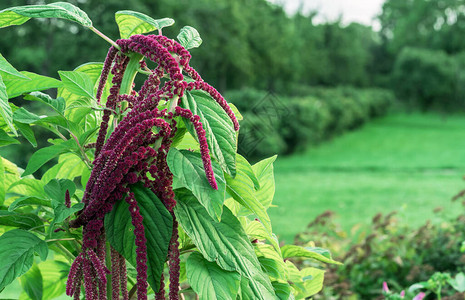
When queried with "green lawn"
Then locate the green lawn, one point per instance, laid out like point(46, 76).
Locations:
point(411, 163)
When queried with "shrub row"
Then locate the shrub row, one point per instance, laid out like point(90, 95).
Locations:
point(286, 124)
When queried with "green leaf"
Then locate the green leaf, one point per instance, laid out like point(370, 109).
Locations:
point(24, 116)
point(458, 283)
point(54, 275)
point(21, 220)
point(28, 187)
point(6, 67)
point(56, 190)
point(2, 182)
point(241, 188)
point(189, 37)
point(5, 139)
point(219, 129)
point(223, 242)
point(289, 251)
point(132, 22)
point(187, 167)
point(209, 281)
point(16, 87)
point(78, 83)
point(28, 200)
point(40, 157)
point(62, 10)
point(17, 248)
point(158, 227)
point(32, 283)
point(27, 132)
point(315, 284)
point(264, 172)
point(58, 104)
point(271, 260)
point(282, 290)
point(69, 166)
point(256, 230)
point(8, 18)
point(5, 110)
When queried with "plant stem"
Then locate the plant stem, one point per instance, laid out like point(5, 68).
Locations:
point(133, 291)
point(103, 36)
point(57, 240)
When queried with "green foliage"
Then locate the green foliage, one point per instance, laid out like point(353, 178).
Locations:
point(158, 225)
point(393, 252)
point(427, 78)
point(292, 124)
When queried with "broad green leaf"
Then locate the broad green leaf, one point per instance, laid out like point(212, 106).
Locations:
point(56, 190)
point(241, 188)
point(17, 248)
point(9, 18)
point(69, 166)
point(20, 220)
point(256, 230)
point(16, 86)
point(189, 37)
point(24, 116)
point(223, 242)
point(78, 83)
point(271, 260)
point(245, 291)
point(264, 172)
point(58, 104)
point(28, 200)
point(62, 10)
point(6, 67)
point(209, 281)
point(289, 251)
point(27, 132)
point(2, 182)
point(458, 283)
point(188, 142)
point(158, 226)
point(187, 167)
point(54, 275)
point(236, 112)
point(305, 282)
point(132, 22)
point(219, 129)
point(28, 187)
point(5, 139)
point(32, 283)
point(9, 166)
point(282, 290)
point(5, 110)
point(247, 169)
point(40, 157)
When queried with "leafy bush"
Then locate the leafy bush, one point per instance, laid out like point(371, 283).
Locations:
point(426, 78)
point(387, 252)
point(288, 124)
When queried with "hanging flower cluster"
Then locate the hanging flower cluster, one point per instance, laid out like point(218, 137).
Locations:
point(138, 146)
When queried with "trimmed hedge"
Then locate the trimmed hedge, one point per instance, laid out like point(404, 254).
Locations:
point(279, 124)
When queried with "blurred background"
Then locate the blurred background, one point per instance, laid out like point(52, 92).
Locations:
point(363, 101)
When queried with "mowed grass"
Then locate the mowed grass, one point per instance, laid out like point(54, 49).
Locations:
point(410, 163)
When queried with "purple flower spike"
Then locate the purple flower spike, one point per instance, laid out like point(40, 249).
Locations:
point(67, 199)
point(174, 261)
point(187, 114)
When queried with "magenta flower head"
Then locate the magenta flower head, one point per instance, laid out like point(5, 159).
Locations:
point(402, 294)
point(420, 296)
point(385, 287)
